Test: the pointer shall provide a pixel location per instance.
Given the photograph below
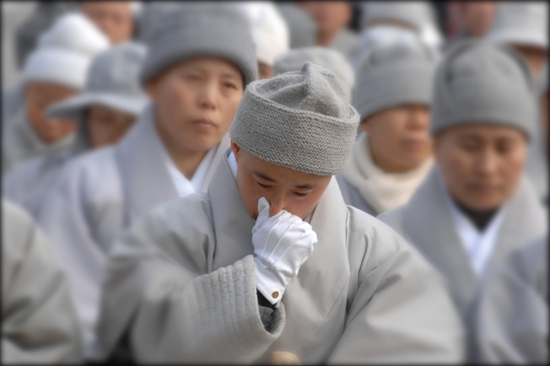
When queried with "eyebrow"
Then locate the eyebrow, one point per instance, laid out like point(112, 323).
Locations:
point(301, 186)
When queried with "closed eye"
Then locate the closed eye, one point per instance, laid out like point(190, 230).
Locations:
point(263, 185)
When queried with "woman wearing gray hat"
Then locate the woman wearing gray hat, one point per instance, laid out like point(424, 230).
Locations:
point(104, 112)
point(393, 154)
point(200, 58)
point(476, 205)
point(270, 265)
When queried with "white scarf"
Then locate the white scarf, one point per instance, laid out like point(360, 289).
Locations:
point(383, 191)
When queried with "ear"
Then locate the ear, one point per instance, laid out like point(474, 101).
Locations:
point(236, 149)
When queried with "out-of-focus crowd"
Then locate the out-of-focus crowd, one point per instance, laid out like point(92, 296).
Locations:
point(275, 182)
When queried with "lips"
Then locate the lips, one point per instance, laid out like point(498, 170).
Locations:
point(204, 124)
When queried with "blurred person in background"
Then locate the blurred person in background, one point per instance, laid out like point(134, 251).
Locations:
point(478, 18)
point(39, 323)
point(333, 60)
point(270, 35)
point(301, 27)
point(524, 27)
point(105, 110)
point(476, 205)
point(389, 21)
point(393, 154)
point(56, 70)
point(116, 19)
point(200, 57)
point(270, 265)
point(511, 315)
point(332, 19)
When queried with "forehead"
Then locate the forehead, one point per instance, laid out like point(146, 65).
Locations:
point(281, 174)
point(108, 5)
point(207, 64)
point(48, 88)
point(484, 131)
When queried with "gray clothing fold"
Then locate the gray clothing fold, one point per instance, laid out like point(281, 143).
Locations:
point(181, 283)
point(39, 323)
point(352, 196)
point(511, 320)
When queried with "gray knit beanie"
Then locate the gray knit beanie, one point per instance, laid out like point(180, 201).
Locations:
point(413, 13)
point(482, 82)
point(394, 74)
point(300, 120)
point(199, 29)
point(333, 60)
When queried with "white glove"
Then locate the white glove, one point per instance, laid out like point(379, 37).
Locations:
point(282, 243)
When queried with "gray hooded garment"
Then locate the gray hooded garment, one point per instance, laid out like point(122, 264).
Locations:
point(112, 81)
point(181, 287)
point(511, 319)
point(39, 323)
point(427, 223)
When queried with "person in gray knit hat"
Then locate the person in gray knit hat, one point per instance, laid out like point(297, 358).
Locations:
point(393, 153)
point(285, 271)
point(105, 111)
point(333, 60)
point(200, 58)
point(476, 205)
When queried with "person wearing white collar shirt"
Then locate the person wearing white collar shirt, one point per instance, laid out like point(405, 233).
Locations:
point(476, 205)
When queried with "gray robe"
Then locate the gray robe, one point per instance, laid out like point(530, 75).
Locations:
point(97, 197)
point(426, 222)
point(181, 285)
point(39, 323)
point(511, 320)
point(21, 143)
point(352, 196)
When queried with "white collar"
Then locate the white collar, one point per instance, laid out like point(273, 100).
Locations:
point(478, 245)
point(183, 185)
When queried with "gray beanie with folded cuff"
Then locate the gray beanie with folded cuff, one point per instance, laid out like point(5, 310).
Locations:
point(112, 81)
point(300, 120)
point(479, 82)
point(395, 74)
point(333, 60)
point(200, 29)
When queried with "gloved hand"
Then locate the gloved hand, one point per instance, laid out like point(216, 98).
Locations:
point(282, 243)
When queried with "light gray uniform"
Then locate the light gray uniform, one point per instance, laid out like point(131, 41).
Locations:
point(181, 285)
point(511, 320)
point(38, 318)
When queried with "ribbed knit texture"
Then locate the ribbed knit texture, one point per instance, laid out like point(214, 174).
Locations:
point(481, 82)
point(300, 120)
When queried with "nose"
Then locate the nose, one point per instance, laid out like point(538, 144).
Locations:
point(487, 163)
point(208, 96)
point(276, 205)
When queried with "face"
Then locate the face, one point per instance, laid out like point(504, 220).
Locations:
point(399, 137)
point(535, 57)
point(284, 188)
point(114, 18)
point(479, 16)
point(196, 101)
point(107, 126)
point(264, 71)
point(330, 16)
point(38, 97)
point(482, 164)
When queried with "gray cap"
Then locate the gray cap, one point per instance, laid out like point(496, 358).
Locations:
point(333, 60)
point(482, 82)
point(300, 120)
point(301, 27)
point(413, 13)
point(521, 22)
point(112, 81)
point(394, 74)
point(200, 29)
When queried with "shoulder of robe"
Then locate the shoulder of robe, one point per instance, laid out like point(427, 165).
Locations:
point(178, 228)
point(378, 241)
point(393, 218)
point(529, 262)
